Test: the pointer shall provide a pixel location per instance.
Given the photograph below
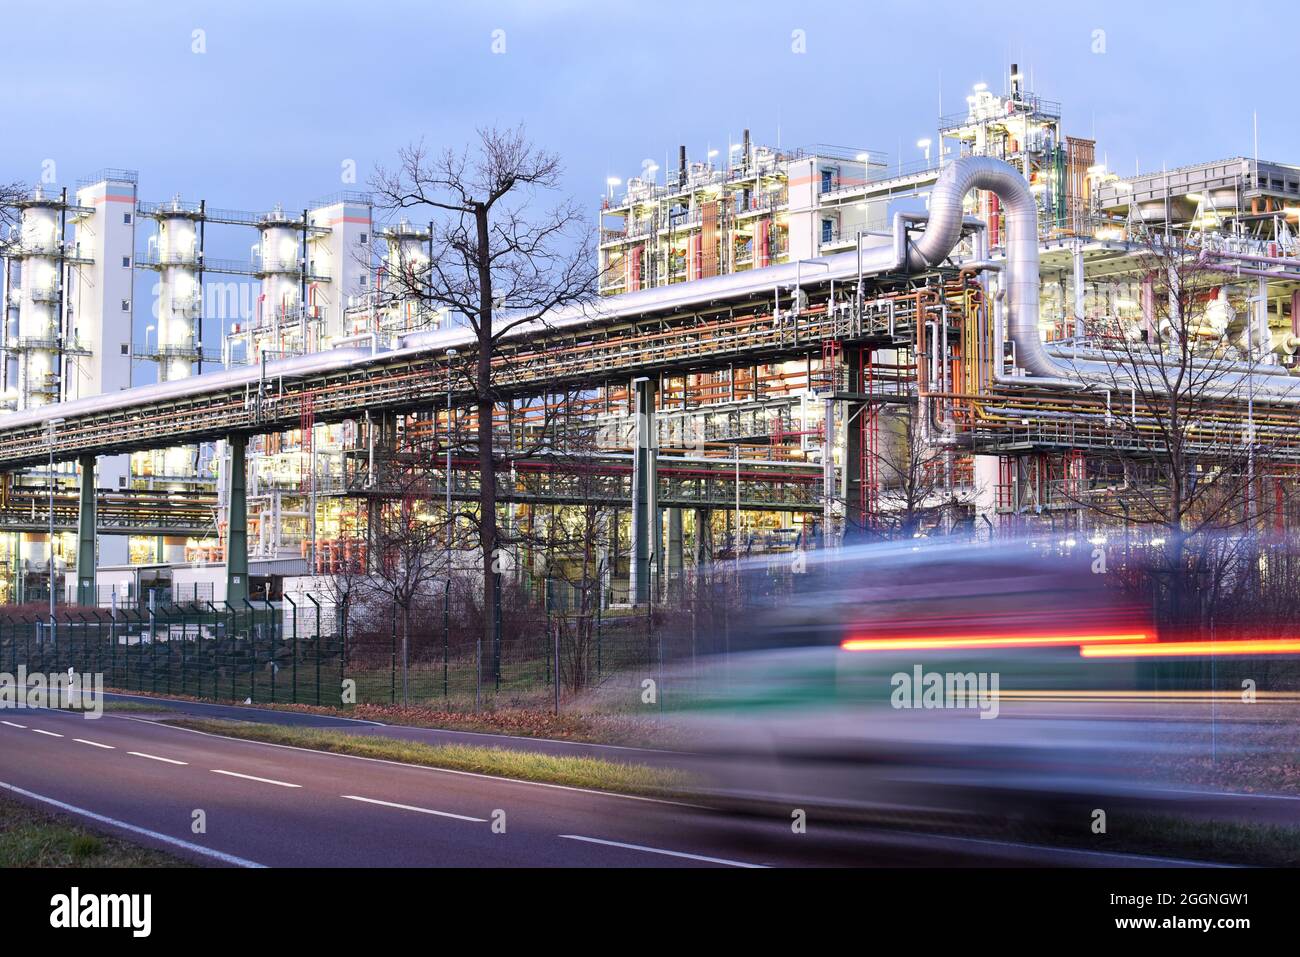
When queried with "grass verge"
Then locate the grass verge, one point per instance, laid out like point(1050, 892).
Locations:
point(580, 772)
point(32, 837)
point(519, 721)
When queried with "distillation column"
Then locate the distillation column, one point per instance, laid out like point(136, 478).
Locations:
point(38, 333)
point(279, 254)
point(180, 307)
point(406, 270)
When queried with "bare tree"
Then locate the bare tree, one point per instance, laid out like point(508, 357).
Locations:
point(496, 260)
point(11, 194)
point(576, 537)
point(345, 587)
point(914, 477)
point(1186, 434)
point(407, 550)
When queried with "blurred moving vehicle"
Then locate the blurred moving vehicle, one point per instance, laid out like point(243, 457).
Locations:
point(868, 683)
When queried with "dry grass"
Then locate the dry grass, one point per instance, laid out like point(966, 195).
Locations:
point(582, 772)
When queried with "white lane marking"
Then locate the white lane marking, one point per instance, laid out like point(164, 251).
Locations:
point(52, 734)
point(249, 777)
point(660, 850)
point(12, 725)
point(95, 744)
point(411, 807)
point(154, 757)
point(114, 822)
point(425, 767)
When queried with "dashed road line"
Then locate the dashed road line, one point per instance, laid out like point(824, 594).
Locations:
point(52, 734)
point(411, 807)
point(154, 757)
point(249, 777)
point(95, 744)
point(660, 850)
point(12, 725)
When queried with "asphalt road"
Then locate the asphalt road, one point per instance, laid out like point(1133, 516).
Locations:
point(276, 806)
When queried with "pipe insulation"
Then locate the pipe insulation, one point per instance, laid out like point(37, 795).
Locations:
point(893, 253)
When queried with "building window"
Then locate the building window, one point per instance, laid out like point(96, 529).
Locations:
point(363, 279)
point(126, 262)
point(126, 218)
point(828, 230)
point(126, 305)
point(363, 240)
point(828, 180)
point(126, 349)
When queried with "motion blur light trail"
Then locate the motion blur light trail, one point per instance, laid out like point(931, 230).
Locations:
point(1284, 646)
point(987, 641)
point(1144, 697)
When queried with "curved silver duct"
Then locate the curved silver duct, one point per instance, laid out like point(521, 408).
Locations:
point(1021, 272)
point(1021, 281)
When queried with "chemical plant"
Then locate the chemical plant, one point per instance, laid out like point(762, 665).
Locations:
point(791, 348)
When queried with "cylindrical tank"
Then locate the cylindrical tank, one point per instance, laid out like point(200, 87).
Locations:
point(281, 283)
point(179, 300)
point(38, 319)
point(406, 262)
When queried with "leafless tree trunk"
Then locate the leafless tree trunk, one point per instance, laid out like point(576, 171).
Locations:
point(913, 473)
point(1188, 437)
point(497, 263)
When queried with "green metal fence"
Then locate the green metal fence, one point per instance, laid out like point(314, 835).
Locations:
point(226, 653)
point(204, 651)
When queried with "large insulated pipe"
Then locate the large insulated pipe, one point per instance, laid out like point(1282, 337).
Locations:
point(1021, 246)
point(1021, 281)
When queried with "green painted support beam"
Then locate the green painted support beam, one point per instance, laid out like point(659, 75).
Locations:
point(86, 525)
point(237, 528)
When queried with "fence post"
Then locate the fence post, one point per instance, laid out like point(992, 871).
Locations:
point(496, 632)
point(252, 645)
point(312, 599)
point(293, 647)
point(153, 644)
point(112, 637)
point(230, 635)
point(185, 640)
point(211, 608)
point(556, 627)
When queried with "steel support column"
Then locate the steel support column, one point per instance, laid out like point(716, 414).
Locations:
point(237, 528)
point(645, 495)
point(675, 562)
point(703, 538)
point(86, 525)
point(1079, 288)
